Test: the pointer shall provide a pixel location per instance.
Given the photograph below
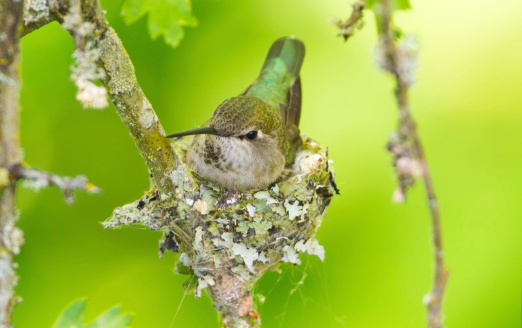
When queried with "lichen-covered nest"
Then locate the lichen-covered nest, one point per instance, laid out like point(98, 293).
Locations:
point(228, 239)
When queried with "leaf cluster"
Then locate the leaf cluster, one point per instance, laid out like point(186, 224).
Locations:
point(72, 317)
point(165, 17)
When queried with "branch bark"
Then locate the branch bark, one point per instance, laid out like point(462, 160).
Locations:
point(410, 160)
point(10, 236)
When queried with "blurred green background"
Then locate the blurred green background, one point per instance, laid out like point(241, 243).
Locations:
point(379, 263)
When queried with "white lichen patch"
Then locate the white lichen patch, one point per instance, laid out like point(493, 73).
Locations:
point(198, 239)
point(35, 10)
point(290, 255)
point(86, 70)
point(280, 210)
point(262, 258)
point(228, 239)
point(242, 272)
point(428, 299)
point(35, 185)
point(312, 247)
point(275, 189)
point(265, 195)
point(185, 259)
point(308, 162)
point(142, 212)
point(202, 284)
point(251, 210)
point(147, 117)
point(249, 255)
point(90, 95)
point(180, 177)
point(13, 237)
point(208, 197)
point(294, 210)
point(201, 207)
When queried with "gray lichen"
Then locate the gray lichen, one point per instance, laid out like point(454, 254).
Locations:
point(228, 239)
point(86, 70)
point(35, 10)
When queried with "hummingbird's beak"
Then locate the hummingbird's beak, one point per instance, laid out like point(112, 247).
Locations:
point(206, 130)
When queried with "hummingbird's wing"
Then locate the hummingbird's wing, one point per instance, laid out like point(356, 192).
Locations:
point(293, 111)
point(291, 114)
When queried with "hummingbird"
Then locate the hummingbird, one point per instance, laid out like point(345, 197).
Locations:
point(251, 139)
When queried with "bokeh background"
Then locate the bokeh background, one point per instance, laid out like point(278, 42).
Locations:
point(379, 263)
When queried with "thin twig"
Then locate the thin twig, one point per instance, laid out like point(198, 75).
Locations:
point(409, 156)
point(353, 23)
point(37, 179)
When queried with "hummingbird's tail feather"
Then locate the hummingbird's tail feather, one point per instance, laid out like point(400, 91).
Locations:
point(291, 51)
point(278, 83)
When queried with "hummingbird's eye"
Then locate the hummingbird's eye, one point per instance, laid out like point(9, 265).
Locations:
point(251, 135)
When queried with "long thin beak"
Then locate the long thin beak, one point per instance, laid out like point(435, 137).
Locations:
point(206, 130)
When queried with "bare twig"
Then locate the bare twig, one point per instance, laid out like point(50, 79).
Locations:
point(37, 179)
point(353, 23)
point(10, 236)
point(406, 146)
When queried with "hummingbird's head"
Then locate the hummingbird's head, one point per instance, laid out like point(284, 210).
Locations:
point(244, 117)
point(247, 118)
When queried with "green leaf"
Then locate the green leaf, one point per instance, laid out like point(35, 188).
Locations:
point(72, 317)
point(112, 318)
point(166, 17)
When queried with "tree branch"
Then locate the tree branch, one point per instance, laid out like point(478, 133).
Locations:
point(37, 179)
point(10, 236)
point(409, 159)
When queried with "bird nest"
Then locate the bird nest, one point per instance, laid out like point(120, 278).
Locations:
point(228, 239)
